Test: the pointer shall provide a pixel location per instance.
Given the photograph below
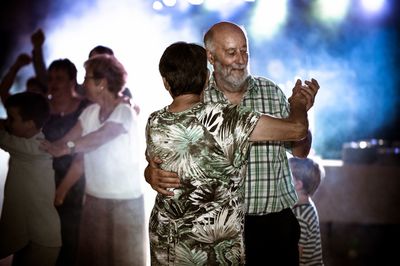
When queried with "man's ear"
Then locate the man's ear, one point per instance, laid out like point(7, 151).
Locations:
point(210, 57)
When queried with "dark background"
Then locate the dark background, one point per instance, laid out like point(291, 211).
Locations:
point(361, 100)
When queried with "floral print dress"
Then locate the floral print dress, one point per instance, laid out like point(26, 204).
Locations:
point(207, 145)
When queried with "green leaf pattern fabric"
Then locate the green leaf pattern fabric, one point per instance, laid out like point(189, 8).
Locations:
point(207, 146)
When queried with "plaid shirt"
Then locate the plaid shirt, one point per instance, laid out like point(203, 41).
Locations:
point(268, 186)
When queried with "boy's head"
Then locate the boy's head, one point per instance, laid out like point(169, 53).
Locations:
point(184, 67)
point(26, 113)
point(307, 174)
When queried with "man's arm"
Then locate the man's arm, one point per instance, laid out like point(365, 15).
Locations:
point(302, 148)
point(160, 180)
point(292, 128)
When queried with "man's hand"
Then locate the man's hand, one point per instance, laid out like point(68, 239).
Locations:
point(160, 180)
point(310, 91)
point(297, 95)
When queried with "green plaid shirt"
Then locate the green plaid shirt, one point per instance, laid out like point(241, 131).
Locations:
point(268, 185)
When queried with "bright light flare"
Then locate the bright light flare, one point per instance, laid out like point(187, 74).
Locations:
point(169, 3)
point(157, 5)
point(195, 2)
point(224, 7)
point(372, 5)
point(268, 18)
point(331, 11)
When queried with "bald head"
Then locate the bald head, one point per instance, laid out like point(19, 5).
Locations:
point(220, 32)
point(227, 52)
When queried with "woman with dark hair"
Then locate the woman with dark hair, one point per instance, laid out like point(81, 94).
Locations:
point(65, 109)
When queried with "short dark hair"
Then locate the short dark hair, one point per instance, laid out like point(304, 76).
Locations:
point(184, 66)
point(31, 106)
point(64, 64)
point(100, 49)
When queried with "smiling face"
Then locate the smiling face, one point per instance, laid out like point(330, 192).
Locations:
point(229, 56)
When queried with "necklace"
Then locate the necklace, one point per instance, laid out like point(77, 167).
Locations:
point(63, 109)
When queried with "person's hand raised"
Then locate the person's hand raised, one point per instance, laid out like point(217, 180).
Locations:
point(308, 91)
point(37, 38)
point(23, 60)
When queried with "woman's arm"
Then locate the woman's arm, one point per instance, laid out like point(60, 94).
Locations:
point(89, 142)
point(95, 139)
point(59, 148)
point(75, 171)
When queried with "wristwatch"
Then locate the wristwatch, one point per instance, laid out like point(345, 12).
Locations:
point(71, 146)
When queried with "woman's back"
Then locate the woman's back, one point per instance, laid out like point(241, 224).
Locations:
point(207, 146)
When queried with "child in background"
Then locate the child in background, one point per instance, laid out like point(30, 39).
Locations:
point(307, 174)
point(29, 223)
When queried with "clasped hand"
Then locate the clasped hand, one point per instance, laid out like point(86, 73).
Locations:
point(55, 149)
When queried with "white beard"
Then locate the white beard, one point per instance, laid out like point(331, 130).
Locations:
point(236, 83)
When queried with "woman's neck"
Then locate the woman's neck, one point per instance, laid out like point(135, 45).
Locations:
point(107, 106)
point(183, 102)
point(64, 106)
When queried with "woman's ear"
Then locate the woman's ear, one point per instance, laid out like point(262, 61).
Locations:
point(166, 84)
point(103, 83)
